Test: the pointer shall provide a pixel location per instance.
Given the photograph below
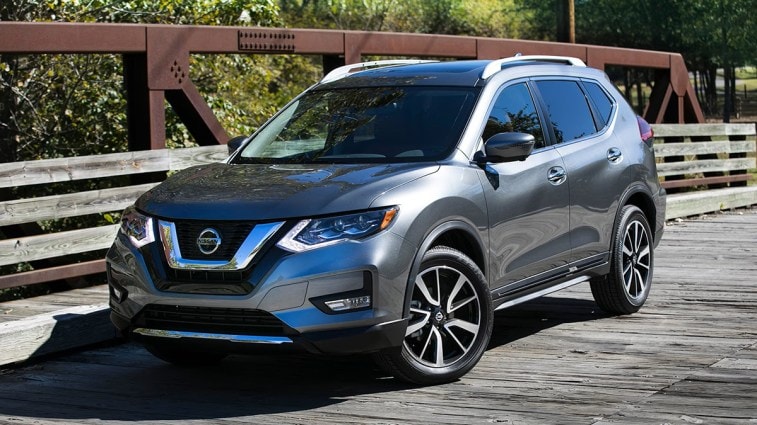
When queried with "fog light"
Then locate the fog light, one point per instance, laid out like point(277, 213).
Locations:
point(117, 293)
point(350, 303)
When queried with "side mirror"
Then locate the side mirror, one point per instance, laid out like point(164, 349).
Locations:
point(508, 147)
point(234, 143)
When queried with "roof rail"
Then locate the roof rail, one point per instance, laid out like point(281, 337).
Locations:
point(495, 66)
point(345, 70)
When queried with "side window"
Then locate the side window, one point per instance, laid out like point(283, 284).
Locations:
point(568, 111)
point(514, 110)
point(602, 103)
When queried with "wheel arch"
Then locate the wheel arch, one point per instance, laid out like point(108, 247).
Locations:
point(456, 234)
point(642, 199)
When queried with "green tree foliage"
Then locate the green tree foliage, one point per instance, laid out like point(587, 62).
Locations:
point(366, 15)
point(710, 34)
point(489, 18)
point(50, 97)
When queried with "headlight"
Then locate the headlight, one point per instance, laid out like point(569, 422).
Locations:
point(310, 234)
point(138, 227)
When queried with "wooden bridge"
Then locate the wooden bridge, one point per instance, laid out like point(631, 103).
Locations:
point(155, 61)
point(688, 357)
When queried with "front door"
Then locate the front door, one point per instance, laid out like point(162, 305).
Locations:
point(527, 201)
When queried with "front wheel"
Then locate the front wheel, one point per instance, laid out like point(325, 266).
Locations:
point(626, 288)
point(450, 321)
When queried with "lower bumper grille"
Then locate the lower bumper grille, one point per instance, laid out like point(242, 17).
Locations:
point(205, 282)
point(206, 319)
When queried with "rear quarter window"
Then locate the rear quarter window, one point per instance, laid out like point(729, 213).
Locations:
point(603, 104)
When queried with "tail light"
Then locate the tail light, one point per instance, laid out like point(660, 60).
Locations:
point(646, 131)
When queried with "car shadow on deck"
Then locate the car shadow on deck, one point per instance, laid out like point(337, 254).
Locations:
point(125, 383)
point(529, 318)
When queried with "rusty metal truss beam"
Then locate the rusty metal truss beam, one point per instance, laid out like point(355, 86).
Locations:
point(156, 70)
point(156, 63)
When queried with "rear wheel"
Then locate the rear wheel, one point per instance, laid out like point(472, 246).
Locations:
point(171, 353)
point(450, 321)
point(626, 288)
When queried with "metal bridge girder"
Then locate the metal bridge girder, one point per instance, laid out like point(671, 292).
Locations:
point(156, 63)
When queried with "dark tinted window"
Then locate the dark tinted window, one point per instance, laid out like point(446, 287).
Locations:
point(514, 111)
point(602, 103)
point(371, 124)
point(568, 110)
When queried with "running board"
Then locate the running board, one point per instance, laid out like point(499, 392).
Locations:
point(545, 291)
point(248, 339)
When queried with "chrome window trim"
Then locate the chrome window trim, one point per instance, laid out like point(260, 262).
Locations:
point(258, 236)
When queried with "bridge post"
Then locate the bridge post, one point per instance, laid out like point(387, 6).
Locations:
point(145, 113)
point(332, 62)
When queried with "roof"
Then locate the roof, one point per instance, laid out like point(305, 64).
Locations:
point(449, 73)
point(466, 73)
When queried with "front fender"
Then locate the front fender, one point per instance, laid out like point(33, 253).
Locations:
point(437, 232)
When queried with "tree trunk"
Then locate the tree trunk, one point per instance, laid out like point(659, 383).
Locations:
point(8, 129)
point(627, 85)
point(639, 94)
point(712, 90)
point(727, 93)
point(566, 21)
point(734, 100)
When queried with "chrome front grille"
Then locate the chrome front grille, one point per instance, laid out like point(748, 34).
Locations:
point(238, 255)
point(232, 235)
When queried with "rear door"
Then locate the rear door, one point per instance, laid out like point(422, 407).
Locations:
point(580, 117)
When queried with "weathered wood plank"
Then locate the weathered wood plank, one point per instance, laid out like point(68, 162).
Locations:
point(54, 332)
point(704, 165)
point(678, 130)
point(83, 167)
point(180, 159)
point(70, 205)
point(86, 167)
point(31, 248)
point(694, 203)
point(662, 150)
point(50, 303)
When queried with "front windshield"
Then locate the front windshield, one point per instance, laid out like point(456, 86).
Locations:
point(370, 124)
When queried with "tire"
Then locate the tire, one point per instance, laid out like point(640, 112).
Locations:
point(446, 335)
point(180, 356)
point(626, 288)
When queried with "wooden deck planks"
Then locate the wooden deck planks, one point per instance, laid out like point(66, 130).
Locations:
point(14, 310)
point(688, 357)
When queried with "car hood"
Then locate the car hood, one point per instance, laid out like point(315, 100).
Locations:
point(273, 192)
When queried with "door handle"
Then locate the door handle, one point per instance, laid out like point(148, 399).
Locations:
point(614, 155)
point(556, 175)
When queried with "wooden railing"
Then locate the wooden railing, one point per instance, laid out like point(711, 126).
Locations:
point(716, 157)
point(724, 151)
point(683, 162)
point(66, 243)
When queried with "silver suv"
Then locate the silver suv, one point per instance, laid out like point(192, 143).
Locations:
point(391, 209)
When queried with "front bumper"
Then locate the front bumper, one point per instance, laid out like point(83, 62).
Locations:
point(290, 288)
point(341, 341)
